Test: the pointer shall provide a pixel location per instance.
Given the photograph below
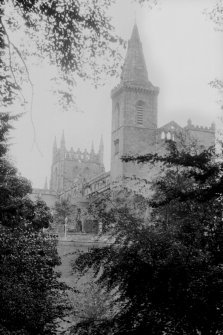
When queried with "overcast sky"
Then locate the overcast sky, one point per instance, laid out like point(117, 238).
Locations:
point(183, 54)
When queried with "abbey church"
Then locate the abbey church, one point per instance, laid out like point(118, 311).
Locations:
point(134, 130)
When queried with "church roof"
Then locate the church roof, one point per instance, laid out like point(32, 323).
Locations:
point(134, 70)
point(171, 126)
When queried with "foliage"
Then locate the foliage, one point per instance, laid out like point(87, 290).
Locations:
point(166, 268)
point(216, 14)
point(28, 281)
point(89, 304)
point(77, 37)
point(31, 296)
point(63, 209)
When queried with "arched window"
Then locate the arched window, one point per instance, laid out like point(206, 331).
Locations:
point(116, 145)
point(140, 107)
point(168, 136)
point(117, 116)
point(163, 135)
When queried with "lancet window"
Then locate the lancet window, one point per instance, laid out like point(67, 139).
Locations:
point(140, 107)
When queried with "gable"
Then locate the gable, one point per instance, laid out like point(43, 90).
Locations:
point(170, 126)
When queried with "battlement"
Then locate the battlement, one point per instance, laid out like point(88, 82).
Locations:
point(77, 155)
point(193, 127)
point(98, 184)
point(81, 155)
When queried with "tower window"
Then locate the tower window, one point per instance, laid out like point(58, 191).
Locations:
point(116, 144)
point(117, 116)
point(140, 106)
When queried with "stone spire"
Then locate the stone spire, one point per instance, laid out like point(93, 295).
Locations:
point(101, 151)
point(134, 70)
point(54, 149)
point(55, 144)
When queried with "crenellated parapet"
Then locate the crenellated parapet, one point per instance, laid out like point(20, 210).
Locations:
point(76, 155)
point(81, 156)
point(84, 188)
point(191, 126)
point(98, 184)
point(204, 136)
point(69, 165)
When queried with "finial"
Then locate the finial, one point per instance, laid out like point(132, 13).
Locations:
point(101, 151)
point(55, 144)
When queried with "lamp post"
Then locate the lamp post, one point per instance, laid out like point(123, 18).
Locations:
point(65, 227)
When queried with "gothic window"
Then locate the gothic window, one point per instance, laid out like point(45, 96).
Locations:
point(117, 116)
point(140, 107)
point(116, 144)
point(168, 136)
point(163, 135)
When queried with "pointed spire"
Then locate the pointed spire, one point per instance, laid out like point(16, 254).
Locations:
point(134, 70)
point(62, 142)
point(101, 145)
point(55, 144)
point(46, 184)
point(92, 147)
point(101, 151)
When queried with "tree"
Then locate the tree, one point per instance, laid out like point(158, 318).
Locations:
point(216, 14)
point(32, 298)
point(77, 37)
point(164, 272)
point(63, 209)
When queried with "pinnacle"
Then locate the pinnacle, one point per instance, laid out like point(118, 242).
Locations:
point(101, 145)
point(55, 142)
point(62, 143)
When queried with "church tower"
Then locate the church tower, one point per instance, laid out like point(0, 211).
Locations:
point(134, 112)
point(70, 166)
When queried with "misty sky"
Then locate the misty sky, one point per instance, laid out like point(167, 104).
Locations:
point(183, 54)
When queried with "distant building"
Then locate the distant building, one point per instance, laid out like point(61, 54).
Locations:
point(76, 174)
point(69, 166)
